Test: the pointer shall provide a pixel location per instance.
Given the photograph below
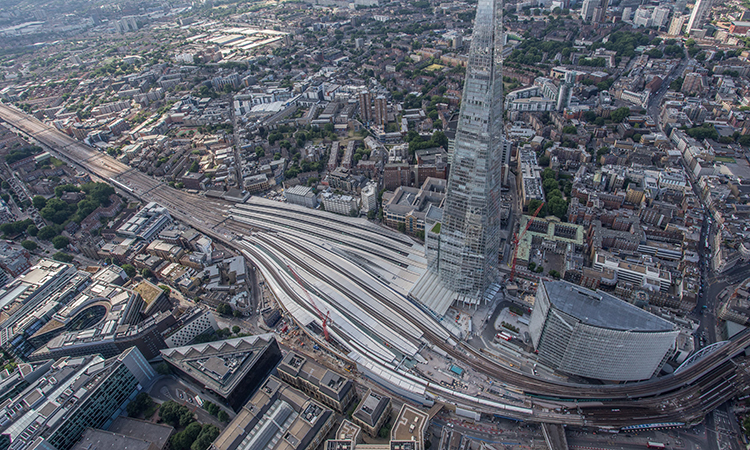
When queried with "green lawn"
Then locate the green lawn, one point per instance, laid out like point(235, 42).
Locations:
point(726, 159)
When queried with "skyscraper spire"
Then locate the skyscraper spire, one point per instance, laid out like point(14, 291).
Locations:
point(469, 241)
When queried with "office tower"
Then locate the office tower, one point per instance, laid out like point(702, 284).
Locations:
point(365, 106)
point(381, 110)
point(74, 394)
point(469, 238)
point(700, 11)
point(572, 328)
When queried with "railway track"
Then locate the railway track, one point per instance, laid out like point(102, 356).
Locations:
point(693, 391)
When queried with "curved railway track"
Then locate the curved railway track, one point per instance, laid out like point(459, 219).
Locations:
point(688, 394)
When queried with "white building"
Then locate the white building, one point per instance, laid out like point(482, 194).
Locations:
point(146, 223)
point(196, 322)
point(700, 11)
point(370, 197)
point(675, 26)
point(642, 276)
point(301, 195)
point(340, 204)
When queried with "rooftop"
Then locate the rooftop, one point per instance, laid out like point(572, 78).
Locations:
point(148, 431)
point(371, 408)
point(106, 440)
point(277, 417)
point(221, 364)
point(410, 424)
point(602, 310)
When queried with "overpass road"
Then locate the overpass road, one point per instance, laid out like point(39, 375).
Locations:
point(683, 397)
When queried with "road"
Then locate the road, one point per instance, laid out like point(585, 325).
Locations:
point(642, 402)
point(654, 101)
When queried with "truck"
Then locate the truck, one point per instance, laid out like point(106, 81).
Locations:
point(656, 445)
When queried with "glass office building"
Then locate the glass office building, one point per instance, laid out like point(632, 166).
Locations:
point(468, 239)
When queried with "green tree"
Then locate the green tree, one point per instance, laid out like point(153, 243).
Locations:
point(147, 273)
point(212, 408)
point(207, 436)
point(223, 416)
point(534, 204)
point(620, 114)
point(62, 257)
point(32, 230)
point(39, 202)
point(141, 403)
point(570, 129)
point(29, 245)
point(163, 369)
point(224, 308)
point(236, 329)
point(129, 270)
point(195, 167)
point(60, 242)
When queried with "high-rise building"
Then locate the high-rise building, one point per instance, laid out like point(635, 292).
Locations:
point(566, 91)
point(74, 394)
point(626, 13)
point(605, 5)
point(468, 240)
point(700, 11)
point(365, 106)
point(572, 328)
point(675, 26)
point(659, 16)
point(642, 17)
point(587, 10)
point(381, 110)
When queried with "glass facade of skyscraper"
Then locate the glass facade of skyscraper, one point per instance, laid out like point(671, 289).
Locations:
point(469, 241)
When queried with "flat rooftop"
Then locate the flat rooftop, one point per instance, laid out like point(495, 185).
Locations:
point(156, 433)
point(602, 310)
point(106, 440)
point(410, 424)
point(371, 408)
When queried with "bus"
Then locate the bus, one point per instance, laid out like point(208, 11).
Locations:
point(656, 445)
point(503, 336)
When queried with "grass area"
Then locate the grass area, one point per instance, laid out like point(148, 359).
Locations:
point(436, 228)
point(726, 159)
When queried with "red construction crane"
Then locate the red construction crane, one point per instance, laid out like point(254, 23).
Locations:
point(323, 318)
point(517, 239)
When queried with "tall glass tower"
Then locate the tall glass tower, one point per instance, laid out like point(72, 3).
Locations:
point(469, 241)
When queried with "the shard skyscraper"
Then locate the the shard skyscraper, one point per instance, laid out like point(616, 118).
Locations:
point(463, 250)
point(467, 259)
